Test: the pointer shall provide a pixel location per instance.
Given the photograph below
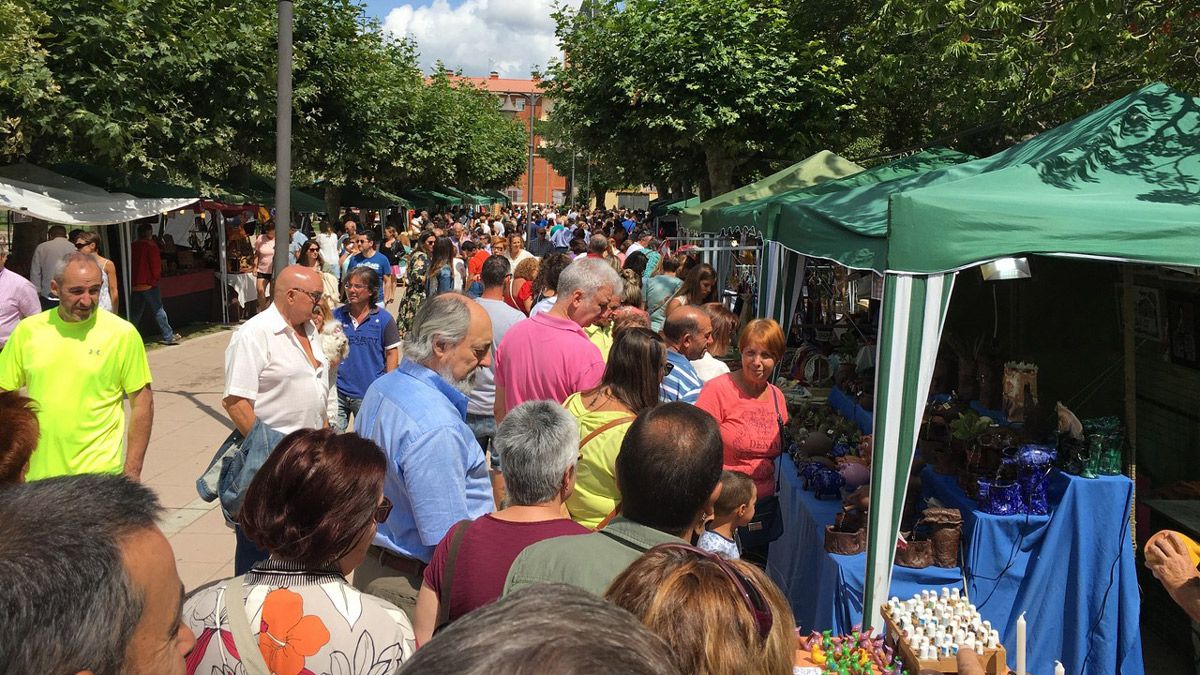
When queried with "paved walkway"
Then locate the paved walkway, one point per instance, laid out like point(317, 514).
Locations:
point(189, 426)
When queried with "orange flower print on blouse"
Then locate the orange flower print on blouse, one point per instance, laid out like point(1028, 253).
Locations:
point(288, 637)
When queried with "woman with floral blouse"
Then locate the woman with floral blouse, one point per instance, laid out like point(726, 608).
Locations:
point(314, 506)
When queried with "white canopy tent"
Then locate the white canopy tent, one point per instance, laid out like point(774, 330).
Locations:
point(40, 193)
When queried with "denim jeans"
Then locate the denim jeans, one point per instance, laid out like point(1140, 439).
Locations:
point(246, 554)
point(347, 406)
point(484, 428)
point(153, 298)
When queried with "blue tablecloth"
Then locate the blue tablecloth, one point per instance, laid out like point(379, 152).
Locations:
point(1072, 573)
point(826, 590)
point(851, 410)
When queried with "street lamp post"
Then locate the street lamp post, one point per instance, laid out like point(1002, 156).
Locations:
point(283, 139)
point(532, 99)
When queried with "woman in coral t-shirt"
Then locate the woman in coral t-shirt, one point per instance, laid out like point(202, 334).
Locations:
point(748, 407)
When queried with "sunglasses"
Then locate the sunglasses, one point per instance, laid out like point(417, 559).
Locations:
point(383, 510)
point(667, 368)
point(315, 296)
point(755, 602)
point(81, 245)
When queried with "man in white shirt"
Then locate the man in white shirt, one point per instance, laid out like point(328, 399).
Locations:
point(275, 369)
point(45, 258)
point(642, 243)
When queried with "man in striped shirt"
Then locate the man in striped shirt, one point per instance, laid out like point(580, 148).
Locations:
point(687, 332)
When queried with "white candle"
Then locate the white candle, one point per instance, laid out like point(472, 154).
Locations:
point(1058, 668)
point(1021, 644)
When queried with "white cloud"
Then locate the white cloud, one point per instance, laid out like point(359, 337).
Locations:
point(478, 36)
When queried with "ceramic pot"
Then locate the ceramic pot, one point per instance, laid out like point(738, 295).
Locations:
point(845, 543)
point(855, 473)
point(818, 443)
point(945, 533)
point(918, 554)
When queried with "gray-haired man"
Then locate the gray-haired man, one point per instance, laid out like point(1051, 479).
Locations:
point(437, 475)
point(548, 356)
point(90, 583)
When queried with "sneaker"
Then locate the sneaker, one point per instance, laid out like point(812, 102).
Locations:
point(174, 339)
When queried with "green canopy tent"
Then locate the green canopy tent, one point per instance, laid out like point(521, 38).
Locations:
point(763, 214)
point(822, 166)
point(116, 181)
point(1116, 184)
point(261, 190)
point(466, 197)
point(426, 198)
point(782, 270)
point(361, 196)
point(666, 208)
point(499, 197)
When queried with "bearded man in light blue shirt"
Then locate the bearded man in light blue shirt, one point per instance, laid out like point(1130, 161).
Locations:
point(437, 474)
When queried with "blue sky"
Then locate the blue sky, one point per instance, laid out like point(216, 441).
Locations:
point(511, 37)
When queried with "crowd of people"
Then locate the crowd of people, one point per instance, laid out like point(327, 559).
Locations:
point(550, 455)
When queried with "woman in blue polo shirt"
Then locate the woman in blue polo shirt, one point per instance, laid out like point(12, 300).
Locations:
point(374, 342)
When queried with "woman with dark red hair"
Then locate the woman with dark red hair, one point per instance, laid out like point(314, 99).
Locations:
point(313, 506)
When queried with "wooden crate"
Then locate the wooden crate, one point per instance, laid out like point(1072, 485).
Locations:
point(994, 660)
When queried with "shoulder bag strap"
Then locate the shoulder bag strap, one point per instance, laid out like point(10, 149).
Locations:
point(779, 419)
point(460, 531)
point(239, 625)
point(611, 424)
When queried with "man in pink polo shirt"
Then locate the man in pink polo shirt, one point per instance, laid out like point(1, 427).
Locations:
point(548, 357)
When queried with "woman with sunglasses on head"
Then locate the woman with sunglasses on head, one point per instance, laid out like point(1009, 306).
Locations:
point(89, 242)
point(414, 281)
point(718, 616)
point(637, 363)
point(314, 506)
point(310, 256)
point(327, 240)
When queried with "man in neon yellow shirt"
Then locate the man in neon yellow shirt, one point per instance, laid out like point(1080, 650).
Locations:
point(78, 363)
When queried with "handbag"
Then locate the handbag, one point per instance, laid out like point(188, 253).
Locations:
point(767, 524)
point(249, 654)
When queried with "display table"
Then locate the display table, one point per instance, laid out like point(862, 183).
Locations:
point(243, 287)
point(1072, 572)
point(850, 409)
point(826, 590)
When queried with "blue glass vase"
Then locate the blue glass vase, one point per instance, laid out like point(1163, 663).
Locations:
point(1000, 497)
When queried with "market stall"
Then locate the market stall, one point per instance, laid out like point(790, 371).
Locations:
point(1093, 188)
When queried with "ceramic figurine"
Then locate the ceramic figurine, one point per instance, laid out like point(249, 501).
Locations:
point(827, 483)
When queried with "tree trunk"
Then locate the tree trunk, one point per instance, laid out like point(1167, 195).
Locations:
point(720, 164)
point(706, 191)
point(599, 192)
point(663, 189)
point(682, 190)
point(333, 202)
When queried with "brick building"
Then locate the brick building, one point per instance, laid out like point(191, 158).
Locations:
point(516, 96)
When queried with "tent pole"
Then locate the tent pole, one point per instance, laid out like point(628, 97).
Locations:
point(123, 237)
point(1130, 348)
point(223, 262)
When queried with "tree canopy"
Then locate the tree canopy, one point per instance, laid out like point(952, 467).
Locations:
point(658, 89)
point(185, 90)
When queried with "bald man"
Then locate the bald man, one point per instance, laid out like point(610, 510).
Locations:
point(276, 373)
point(79, 364)
point(687, 332)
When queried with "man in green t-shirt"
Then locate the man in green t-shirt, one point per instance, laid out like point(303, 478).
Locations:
point(78, 363)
